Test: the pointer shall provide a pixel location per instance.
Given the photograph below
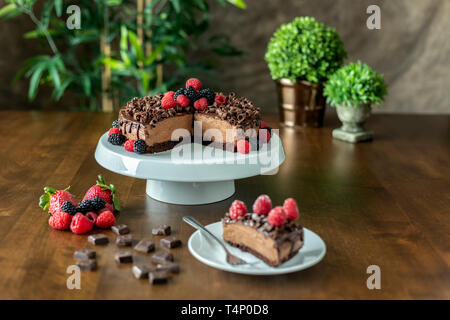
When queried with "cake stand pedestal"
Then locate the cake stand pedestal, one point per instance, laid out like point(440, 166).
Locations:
point(190, 174)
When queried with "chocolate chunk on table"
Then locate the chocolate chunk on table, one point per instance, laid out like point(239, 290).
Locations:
point(120, 229)
point(145, 246)
point(124, 256)
point(162, 256)
point(170, 242)
point(84, 254)
point(169, 266)
point(98, 238)
point(140, 271)
point(157, 276)
point(162, 230)
point(124, 240)
point(87, 264)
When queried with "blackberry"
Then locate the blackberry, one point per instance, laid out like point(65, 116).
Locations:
point(85, 206)
point(69, 207)
point(98, 203)
point(115, 124)
point(209, 95)
point(178, 92)
point(192, 94)
point(117, 139)
point(139, 146)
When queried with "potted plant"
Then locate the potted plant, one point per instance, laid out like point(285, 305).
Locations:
point(353, 90)
point(301, 56)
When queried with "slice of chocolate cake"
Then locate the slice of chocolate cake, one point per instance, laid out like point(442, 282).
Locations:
point(145, 119)
point(273, 236)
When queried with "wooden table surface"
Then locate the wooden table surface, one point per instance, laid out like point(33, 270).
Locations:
point(384, 203)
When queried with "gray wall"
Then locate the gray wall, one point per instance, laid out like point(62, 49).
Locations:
point(412, 49)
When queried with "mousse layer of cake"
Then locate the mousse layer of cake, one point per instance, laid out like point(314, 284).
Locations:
point(253, 233)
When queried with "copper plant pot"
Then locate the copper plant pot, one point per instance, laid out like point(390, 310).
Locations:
point(301, 103)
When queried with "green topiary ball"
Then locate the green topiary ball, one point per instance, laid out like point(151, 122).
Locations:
point(355, 84)
point(305, 49)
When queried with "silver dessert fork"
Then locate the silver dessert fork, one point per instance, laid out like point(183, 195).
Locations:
point(231, 259)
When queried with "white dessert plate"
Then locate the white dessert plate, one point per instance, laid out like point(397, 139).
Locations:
point(210, 253)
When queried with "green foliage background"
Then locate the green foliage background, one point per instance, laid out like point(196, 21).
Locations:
point(305, 49)
point(355, 84)
point(74, 61)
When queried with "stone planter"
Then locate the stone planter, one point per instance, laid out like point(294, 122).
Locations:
point(300, 103)
point(353, 119)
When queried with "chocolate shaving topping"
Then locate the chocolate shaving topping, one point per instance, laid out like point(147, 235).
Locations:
point(237, 111)
point(148, 110)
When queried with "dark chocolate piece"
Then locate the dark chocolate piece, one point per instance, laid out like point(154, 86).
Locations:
point(87, 264)
point(157, 276)
point(124, 240)
point(168, 266)
point(170, 242)
point(120, 229)
point(85, 254)
point(162, 256)
point(98, 238)
point(162, 230)
point(145, 246)
point(124, 256)
point(140, 271)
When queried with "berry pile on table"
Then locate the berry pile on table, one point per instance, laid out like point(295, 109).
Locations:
point(97, 208)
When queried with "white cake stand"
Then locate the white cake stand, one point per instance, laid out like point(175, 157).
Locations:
point(191, 173)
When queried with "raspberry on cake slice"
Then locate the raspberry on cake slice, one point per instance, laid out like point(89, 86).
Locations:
point(274, 237)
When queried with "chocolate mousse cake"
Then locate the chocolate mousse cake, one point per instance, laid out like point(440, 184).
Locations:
point(153, 119)
point(272, 235)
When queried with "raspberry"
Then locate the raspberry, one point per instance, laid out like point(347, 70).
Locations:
point(60, 220)
point(194, 83)
point(129, 145)
point(116, 139)
point(183, 101)
point(264, 135)
point(262, 205)
point(167, 101)
point(277, 216)
point(92, 215)
point(291, 208)
point(81, 224)
point(201, 104)
point(139, 146)
point(262, 125)
point(237, 209)
point(115, 124)
point(105, 220)
point(243, 146)
point(113, 130)
point(220, 99)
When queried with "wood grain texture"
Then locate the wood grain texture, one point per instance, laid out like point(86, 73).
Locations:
point(385, 202)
